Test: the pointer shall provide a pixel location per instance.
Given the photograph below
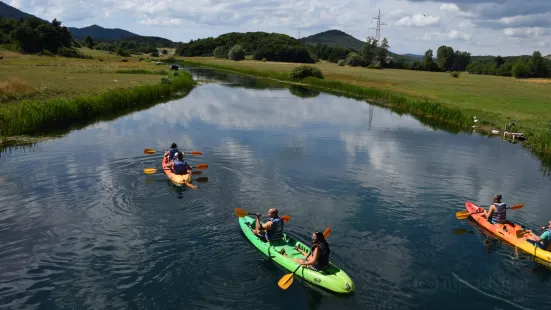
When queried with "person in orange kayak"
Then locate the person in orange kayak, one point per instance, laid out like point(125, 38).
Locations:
point(180, 167)
point(171, 152)
point(543, 241)
point(319, 260)
point(272, 230)
point(497, 212)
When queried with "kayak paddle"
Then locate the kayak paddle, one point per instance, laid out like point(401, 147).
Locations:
point(242, 213)
point(461, 215)
point(152, 151)
point(154, 170)
point(287, 279)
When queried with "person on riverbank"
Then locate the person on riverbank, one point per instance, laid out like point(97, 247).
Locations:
point(272, 230)
point(171, 152)
point(543, 241)
point(319, 260)
point(497, 213)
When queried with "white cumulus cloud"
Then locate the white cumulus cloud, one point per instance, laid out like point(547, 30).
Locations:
point(418, 20)
point(450, 7)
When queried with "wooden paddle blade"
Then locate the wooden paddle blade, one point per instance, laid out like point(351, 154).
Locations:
point(463, 216)
point(516, 207)
point(285, 218)
point(241, 212)
point(149, 151)
point(327, 232)
point(202, 179)
point(285, 281)
point(149, 170)
point(196, 153)
point(520, 234)
point(202, 166)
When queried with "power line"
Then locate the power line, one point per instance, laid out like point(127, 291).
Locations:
point(378, 28)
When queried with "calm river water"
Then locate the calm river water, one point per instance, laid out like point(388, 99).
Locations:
point(82, 227)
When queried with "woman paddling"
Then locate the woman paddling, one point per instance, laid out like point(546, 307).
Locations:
point(319, 260)
point(180, 167)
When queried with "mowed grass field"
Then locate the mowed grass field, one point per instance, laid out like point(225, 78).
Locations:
point(493, 99)
point(45, 77)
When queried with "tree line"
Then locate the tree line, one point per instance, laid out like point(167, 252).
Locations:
point(535, 66)
point(32, 35)
point(124, 47)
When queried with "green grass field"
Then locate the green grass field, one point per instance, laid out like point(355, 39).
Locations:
point(41, 92)
point(54, 77)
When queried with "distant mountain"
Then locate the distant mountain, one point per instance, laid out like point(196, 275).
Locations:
point(414, 56)
point(10, 12)
point(100, 33)
point(344, 40)
point(334, 38)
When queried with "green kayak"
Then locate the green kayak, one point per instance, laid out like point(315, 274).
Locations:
point(333, 278)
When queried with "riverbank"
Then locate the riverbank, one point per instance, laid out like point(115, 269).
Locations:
point(44, 94)
point(495, 101)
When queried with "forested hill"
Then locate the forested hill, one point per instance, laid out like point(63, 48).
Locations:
point(261, 45)
point(7, 11)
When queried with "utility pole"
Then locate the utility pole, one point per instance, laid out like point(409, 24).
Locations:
point(378, 28)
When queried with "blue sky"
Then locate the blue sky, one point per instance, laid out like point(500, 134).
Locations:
point(482, 27)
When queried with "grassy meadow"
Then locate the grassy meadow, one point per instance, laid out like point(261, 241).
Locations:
point(38, 91)
point(495, 101)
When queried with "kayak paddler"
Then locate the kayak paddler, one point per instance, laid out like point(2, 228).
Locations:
point(171, 152)
point(497, 212)
point(180, 167)
point(542, 241)
point(272, 230)
point(319, 260)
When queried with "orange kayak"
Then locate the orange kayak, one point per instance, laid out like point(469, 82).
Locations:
point(176, 178)
point(510, 232)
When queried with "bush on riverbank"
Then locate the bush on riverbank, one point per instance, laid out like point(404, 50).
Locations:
point(31, 116)
point(236, 53)
point(305, 71)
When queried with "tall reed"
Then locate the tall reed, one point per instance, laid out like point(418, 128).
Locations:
point(32, 116)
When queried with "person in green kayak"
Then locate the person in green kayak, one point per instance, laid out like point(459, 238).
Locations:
point(171, 152)
point(319, 260)
point(272, 230)
point(543, 241)
point(497, 212)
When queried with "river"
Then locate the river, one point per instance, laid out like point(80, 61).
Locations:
point(82, 227)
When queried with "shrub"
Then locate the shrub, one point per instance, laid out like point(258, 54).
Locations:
point(164, 52)
point(264, 59)
point(454, 74)
point(375, 66)
point(221, 52)
point(304, 71)
point(354, 60)
point(341, 62)
point(69, 52)
point(122, 53)
point(236, 53)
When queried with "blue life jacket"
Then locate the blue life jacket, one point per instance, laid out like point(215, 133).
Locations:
point(180, 167)
point(171, 154)
point(501, 213)
point(276, 233)
point(323, 255)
